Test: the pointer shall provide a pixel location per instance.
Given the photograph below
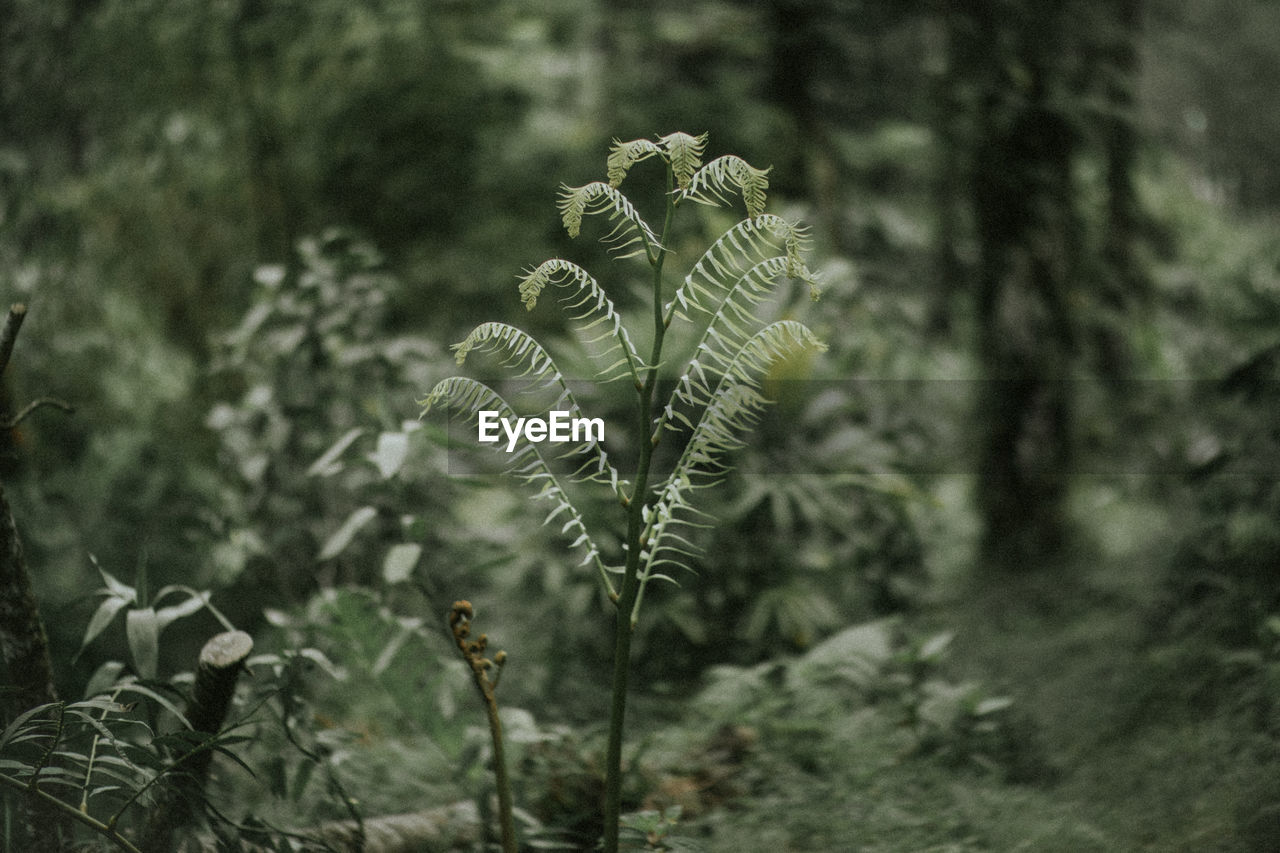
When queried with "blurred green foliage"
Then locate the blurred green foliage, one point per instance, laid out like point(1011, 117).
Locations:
point(246, 231)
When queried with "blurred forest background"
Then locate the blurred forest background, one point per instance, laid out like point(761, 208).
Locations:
point(998, 572)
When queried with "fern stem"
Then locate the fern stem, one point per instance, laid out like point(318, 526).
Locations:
point(625, 624)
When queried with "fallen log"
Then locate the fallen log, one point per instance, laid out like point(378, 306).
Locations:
point(436, 830)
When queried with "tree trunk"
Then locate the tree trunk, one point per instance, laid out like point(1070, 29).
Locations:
point(271, 197)
point(950, 114)
point(24, 645)
point(23, 642)
point(1024, 213)
point(802, 58)
point(1124, 279)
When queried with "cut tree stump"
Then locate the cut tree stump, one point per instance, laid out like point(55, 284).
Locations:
point(220, 663)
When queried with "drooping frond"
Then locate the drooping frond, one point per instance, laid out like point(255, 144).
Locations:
point(624, 155)
point(728, 330)
point(729, 258)
point(684, 153)
point(588, 305)
point(518, 347)
point(725, 175)
point(630, 235)
point(527, 463)
point(733, 407)
point(520, 352)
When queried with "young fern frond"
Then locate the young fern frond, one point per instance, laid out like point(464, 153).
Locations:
point(526, 463)
point(725, 175)
point(727, 259)
point(624, 155)
point(587, 304)
point(684, 153)
point(681, 150)
point(719, 397)
point(630, 236)
point(517, 348)
point(723, 335)
point(732, 408)
point(520, 352)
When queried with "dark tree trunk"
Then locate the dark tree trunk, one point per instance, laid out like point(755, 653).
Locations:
point(22, 637)
point(803, 58)
point(1124, 280)
point(274, 208)
point(951, 114)
point(1026, 227)
point(24, 645)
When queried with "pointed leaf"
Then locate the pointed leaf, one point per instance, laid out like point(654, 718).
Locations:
point(104, 678)
point(115, 587)
point(102, 617)
point(142, 630)
point(341, 538)
point(936, 645)
point(162, 701)
point(992, 705)
point(194, 604)
point(328, 463)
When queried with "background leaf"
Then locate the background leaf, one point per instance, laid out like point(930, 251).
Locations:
point(341, 538)
point(391, 452)
point(142, 630)
point(400, 562)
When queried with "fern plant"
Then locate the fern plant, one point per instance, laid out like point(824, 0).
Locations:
point(717, 396)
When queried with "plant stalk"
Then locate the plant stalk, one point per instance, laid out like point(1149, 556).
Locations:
point(71, 812)
point(505, 819)
point(460, 616)
point(624, 626)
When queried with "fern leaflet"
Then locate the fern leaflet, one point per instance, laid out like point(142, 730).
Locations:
point(624, 155)
point(724, 334)
point(724, 175)
point(594, 309)
point(630, 236)
point(733, 408)
point(519, 351)
point(684, 153)
point(526, 463)
point(731, 256)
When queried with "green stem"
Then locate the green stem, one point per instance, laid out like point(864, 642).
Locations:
point(625, 621)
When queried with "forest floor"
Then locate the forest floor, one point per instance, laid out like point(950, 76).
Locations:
point(1107, 742)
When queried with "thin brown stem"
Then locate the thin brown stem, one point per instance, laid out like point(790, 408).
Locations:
point(460, 616)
